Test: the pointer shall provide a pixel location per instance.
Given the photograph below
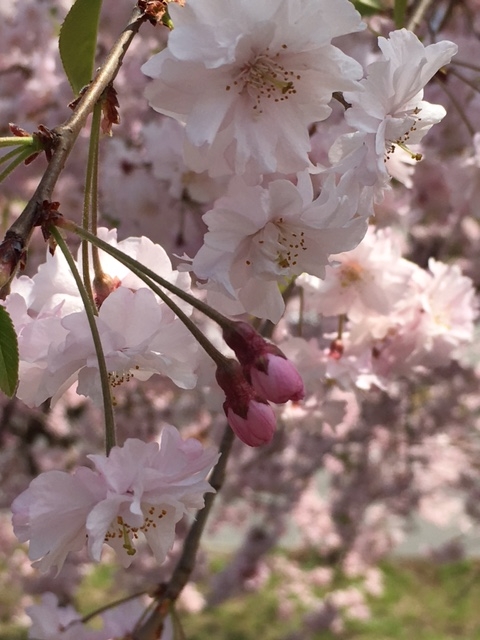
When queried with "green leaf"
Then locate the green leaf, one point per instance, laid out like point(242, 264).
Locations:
point(78, 42)
point(399, 12)
point(8, 354)
point(368, 7)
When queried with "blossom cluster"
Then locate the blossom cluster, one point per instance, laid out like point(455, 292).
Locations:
point(287, 173)
point(401, 318)
point(139, 333)
point(50, 621)
point(247, 94)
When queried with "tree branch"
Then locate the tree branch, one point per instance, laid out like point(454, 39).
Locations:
point(64, 138)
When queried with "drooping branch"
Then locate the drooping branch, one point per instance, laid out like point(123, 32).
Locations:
point(64, 137)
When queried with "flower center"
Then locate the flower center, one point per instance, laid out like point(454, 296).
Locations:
point(123, 531)
point(402, 140)
point(265, 78)
point(277, 245)
point(350, 273)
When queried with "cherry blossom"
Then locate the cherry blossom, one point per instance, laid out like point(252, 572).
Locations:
point(140, 335)
point(150, 486)
point(52, 622)
point(370, 278)
point(164, 147)
point(139, 488)
point(259, 238)
point(248, 78)
point(52, 514)
point(388, 111)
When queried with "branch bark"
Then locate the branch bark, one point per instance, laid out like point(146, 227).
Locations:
point(64, 139)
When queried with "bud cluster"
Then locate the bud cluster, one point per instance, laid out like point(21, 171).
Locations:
point(262, 374)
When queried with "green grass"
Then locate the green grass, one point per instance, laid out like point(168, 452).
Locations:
point(422, 601)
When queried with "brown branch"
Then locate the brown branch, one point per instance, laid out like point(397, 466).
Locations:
point(65, 136)
point(152, 627)
point(421, 10)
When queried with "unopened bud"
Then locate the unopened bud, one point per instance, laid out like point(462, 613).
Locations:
point(258, 425)
point(102, 287)
point(249, 415)
point(265, 366)
point(336, 349)
point(277, 379)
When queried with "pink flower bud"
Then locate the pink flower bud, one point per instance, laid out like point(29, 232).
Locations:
point(247, 343)
point(258, 425)
point(249, 415)
point(277, 379)
point(265, 366)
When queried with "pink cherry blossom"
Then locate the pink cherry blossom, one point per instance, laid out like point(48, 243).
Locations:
point(369, 279)
point(139, 488)
point(140, 335)
point(52, 514)
point(248, 78)
point(150, 486)
point(260, 237)
point(52, 622)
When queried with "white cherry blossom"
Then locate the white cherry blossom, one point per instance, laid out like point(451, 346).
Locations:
point(140, 488)
point(387, 111)
point(261, 237)
point(249, 77)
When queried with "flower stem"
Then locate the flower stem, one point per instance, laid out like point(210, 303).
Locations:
point(19, 155)
point(102, 365)
point(112, 605)
point(139, 271)
point(341, 326)
point(15, 141)
point(419, 14)
point(89, 218)
point(138, 267)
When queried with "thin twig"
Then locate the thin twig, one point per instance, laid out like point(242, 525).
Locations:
point(102, 365)
point(419, 14)
point(457, 106)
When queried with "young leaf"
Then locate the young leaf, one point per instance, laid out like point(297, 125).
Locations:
point(368, 7)
point(399, 11)
point(78, 42)
point(8, 354)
